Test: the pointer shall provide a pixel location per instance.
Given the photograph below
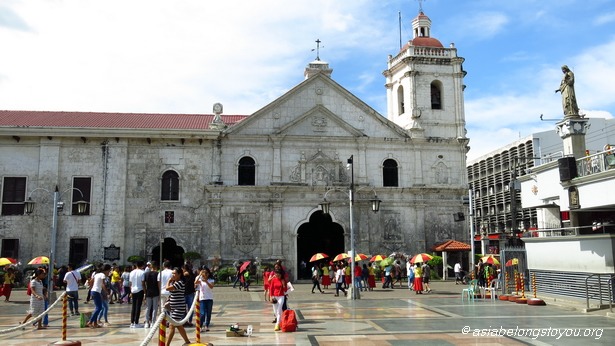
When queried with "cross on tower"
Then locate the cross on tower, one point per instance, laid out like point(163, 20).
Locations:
point(420, 5)
point(317, 49)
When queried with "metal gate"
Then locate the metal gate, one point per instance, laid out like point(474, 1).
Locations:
point(513, 262)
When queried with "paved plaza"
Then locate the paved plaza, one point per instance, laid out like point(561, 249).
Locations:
point(380, 317)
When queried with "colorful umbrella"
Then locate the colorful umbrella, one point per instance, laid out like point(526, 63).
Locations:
point(377, 258)
point(39, 260)
point(512, 262)
point(7, 260)
point(421, 258)
point(244, 266)
point(341, 257)
point(490, 260)
point(319, 256)
point(360, 257)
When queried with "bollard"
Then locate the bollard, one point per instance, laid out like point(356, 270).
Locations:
point(507, 285)
point(197, 312)
point(522, 299)
point(65, 325)
point(162, 333)
point(534, 300)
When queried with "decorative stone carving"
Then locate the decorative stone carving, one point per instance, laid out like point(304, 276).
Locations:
point(245, 232)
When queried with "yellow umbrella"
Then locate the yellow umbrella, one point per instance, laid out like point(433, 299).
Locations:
point(360, 257)
point(341, 257)
point(7, 260)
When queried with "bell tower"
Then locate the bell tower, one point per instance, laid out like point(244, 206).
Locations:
point(424, 83)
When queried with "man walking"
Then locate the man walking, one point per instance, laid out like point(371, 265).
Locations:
point(137, 283)
point(152, 294)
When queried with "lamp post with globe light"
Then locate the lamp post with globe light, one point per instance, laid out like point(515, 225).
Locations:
point(325, 207)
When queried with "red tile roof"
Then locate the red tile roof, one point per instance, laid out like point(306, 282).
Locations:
point(451, 245)
point(9, 118)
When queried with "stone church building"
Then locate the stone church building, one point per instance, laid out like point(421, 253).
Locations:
point(238, 187)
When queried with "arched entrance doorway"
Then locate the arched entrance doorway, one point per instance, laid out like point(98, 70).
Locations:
point(320, 234)
point(170, 251)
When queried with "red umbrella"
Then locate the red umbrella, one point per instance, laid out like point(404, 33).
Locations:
point(244, 266)
point(490, 259)
point(360, 257)
point(341, 257)
point(319, 256)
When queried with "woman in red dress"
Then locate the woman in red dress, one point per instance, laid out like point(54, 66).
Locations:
point(326, 279)
point(418, 279)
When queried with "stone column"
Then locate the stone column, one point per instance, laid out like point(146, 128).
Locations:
point(572, 130)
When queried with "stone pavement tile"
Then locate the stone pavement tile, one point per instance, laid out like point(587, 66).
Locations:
point(381, 317)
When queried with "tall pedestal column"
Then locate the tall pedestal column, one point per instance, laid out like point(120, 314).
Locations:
point(572, 130)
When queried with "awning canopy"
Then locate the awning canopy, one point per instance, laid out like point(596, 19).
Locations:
point(451, 246)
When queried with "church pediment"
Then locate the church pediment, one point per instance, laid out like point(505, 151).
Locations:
point(318, 107)
point(319, 121)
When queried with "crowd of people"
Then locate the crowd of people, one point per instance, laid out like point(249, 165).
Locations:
point(141, 285)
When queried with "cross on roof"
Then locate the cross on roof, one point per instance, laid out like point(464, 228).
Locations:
point(317, 49)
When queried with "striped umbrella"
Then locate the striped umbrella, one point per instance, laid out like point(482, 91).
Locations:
point(341, 257)
point(319, 256)
point(377, 258)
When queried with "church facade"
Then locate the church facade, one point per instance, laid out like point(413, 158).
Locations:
point(242, 187)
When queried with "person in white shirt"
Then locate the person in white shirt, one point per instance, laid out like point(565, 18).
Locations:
point(137, 279)
point(457, 269)
point(163, 280)
point(205, 285)
point(72, 279)
point(97, 288)
point(409, 273)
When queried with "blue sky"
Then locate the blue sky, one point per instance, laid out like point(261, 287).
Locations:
point(181, 57)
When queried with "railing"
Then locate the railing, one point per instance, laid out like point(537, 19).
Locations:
point(599, 283)
point(569, 284)
point(436, 52)
point(596, 163)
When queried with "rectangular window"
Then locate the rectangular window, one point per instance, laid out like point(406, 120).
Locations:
point(10, 248)
point(13, 195)
point(78, 251)
point(83, 184)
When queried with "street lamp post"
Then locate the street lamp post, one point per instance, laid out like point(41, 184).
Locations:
point(56, 207)
point(324, 206)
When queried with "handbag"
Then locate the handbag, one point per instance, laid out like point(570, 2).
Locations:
point(274, 300)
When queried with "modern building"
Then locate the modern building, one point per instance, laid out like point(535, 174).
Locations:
point(496, 206)
point(247, 186)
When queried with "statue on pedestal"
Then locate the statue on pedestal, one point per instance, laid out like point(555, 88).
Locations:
point(569, 99)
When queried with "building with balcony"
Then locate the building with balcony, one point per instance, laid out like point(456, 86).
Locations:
point(496, 194)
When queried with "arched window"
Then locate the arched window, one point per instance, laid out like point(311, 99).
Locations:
point(400, 100)
point(246, 171)
point(170, 186)
point(436, 96)
point(389, 173)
